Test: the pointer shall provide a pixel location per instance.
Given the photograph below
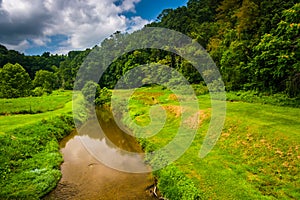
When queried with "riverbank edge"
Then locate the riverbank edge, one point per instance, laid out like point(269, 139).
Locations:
point(30, 167)
point(171, 182)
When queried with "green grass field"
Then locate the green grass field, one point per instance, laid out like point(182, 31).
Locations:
point(63, 105)
point(256, 157)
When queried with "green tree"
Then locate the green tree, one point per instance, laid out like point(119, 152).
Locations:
point(233, 65)
point(46, 80)
point(247, 17)
point(68, 68)
point(14, 81)
point(276, 65)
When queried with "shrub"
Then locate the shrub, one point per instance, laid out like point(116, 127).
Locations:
point(175, 185)
point(38, 91)
point(200, 89)
point(103, 97)
point(264, 98)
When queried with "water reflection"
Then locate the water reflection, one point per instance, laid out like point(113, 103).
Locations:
point(110, 145)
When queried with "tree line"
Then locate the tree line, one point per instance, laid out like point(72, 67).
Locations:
point(22, 75)
point(255, 45)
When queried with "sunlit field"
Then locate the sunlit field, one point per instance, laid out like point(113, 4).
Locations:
point(256, 157)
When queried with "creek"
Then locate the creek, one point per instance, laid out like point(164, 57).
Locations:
point(84, 177)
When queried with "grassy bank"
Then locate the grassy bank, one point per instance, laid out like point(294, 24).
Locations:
point(30, 157)
point(256, 157)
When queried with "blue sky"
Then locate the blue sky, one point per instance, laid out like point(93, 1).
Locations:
point(150, 9)
point(59, 26)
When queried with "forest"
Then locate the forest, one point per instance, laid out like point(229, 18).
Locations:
point(255, 45)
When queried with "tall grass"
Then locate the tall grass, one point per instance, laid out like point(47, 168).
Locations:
point(263, 98)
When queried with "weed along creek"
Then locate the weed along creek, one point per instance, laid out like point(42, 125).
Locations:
point(84, 177)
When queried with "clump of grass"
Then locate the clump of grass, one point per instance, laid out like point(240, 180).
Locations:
point(175, 185)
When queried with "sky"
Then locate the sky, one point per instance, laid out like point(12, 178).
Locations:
point(59, 26)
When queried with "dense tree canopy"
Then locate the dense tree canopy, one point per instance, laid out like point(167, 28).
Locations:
point(31, 64)
point(276, 62)
point(46, 72)
point(255, 44)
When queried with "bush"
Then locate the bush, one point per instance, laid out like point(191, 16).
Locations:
point(200, 89)
point(264, 98)
point(103, 97)
point(38, 91)
point(175, 185)
point(90, 91)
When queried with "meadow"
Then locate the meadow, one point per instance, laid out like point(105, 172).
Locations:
point(256, 157)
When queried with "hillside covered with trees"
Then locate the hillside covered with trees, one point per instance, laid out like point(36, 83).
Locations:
point(255, 45)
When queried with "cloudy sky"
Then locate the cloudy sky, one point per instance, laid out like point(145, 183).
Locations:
point(58, 26)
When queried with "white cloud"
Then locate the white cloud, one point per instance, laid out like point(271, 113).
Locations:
point(85, 23)
point(136, 23)
point(22, 46)
point(129, 5)
point(41, 41)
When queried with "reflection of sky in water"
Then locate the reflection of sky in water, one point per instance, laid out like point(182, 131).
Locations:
point(86, 178)
point(112, 156)
point(106, 142)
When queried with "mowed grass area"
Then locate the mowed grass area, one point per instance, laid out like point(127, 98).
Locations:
point(29, 151)
point(59, 102)
point(256, 157)
point(33, 105)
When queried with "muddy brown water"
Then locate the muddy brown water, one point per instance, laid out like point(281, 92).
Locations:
point(84, 177)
